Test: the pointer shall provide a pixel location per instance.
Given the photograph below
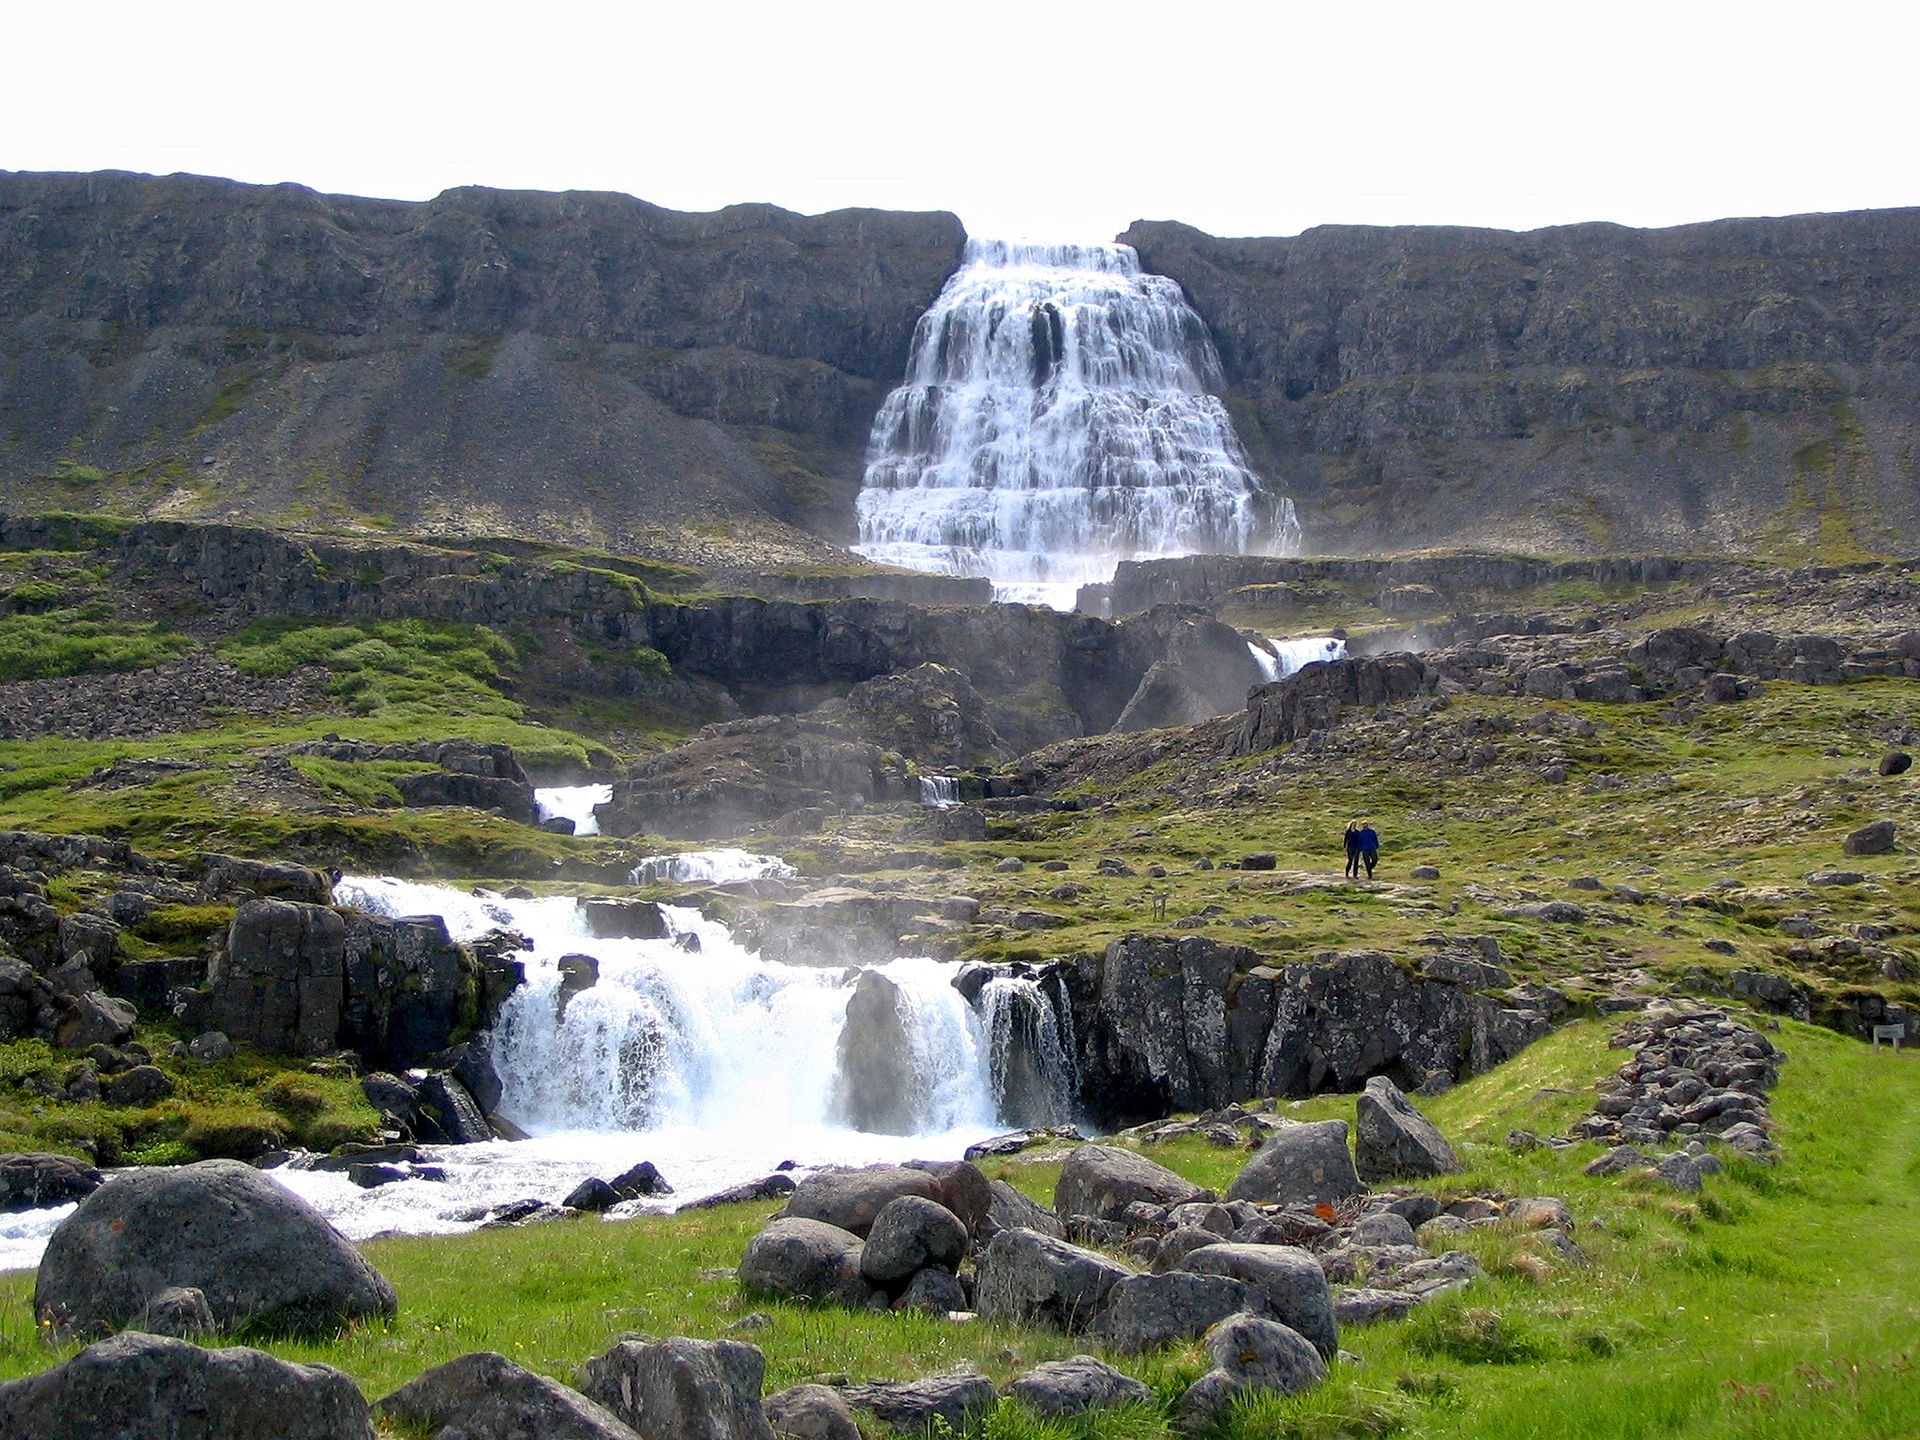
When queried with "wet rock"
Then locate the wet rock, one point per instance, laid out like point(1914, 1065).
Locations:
point(155, 1386)
point(31, 1180)
point(1060, 1388)
point(259, 1253)
point(1304, 1164)
point(1033, 1279)
point(446, 1112)
point(593, 1196)
point(640, 1180)
point(770, 1187)
point(484, 1396)
point(1394, 1140)
point(1101, 1181)
point(681, 1389)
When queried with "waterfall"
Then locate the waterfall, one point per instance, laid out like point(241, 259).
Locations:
point(1030, 1052)
point(1058, 416)
point(939, 791)
point(1278, 659)
point(710, 867)
point(573, 802)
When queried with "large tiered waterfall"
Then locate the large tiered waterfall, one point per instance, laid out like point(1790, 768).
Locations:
point(1059, 414)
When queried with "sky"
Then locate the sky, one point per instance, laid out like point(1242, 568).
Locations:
point(1040, 119)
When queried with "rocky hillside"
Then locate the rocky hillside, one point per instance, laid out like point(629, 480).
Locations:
point(1740, 385)
point(577, 366)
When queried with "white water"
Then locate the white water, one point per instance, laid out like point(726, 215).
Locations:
point(939, 791)
point(711, 1062)
point(710, 867)
point(1278, 659)
point(1020, 1019)
point(573, 802)
point(1056, 418)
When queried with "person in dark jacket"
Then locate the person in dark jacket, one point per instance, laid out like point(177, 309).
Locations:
point(1352, 840)
point(1368, 843)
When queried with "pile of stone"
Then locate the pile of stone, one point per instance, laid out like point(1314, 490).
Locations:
point(1696, 1075)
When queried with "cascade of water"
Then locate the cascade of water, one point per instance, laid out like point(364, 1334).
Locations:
point(1278, 659)
point(939, 791)
point(709, 867)
point(1057, 417)
point(1035, 1078)
point(573, 802)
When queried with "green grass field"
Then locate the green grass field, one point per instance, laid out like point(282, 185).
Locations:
point(1779, 1302)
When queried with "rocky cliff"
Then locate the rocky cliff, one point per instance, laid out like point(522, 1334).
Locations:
point(1740, 385)
point(579, 366)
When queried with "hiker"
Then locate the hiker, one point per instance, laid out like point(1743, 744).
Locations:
point(1352, 839)
point(1368, 843)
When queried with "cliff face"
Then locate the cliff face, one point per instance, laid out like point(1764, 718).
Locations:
point(1736, 385)
point(580, 366)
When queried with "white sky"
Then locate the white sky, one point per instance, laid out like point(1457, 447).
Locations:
point(1058, 120)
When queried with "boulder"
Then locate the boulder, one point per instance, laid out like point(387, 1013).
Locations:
point(142, 1085)
point(1393, 1140)
point(1101, 1181)
point(158, 1388)
point(93, 1019)
point(851, 1199)
point(280, 982)
point(1249, 1353)
point(681, 1389)
point(1010, 1209)
point(268, 879)
point(1895, 762)
point(909, 1233)
point(1181, 1241)
point(1033, 1279)
point(1285, 1281)
point(1305, 1164)
point(1874, 839)
point(593, 1196)
point(484, 1396)
point(408, 987)
point(642, 1179)
point(874, 1085)
point(261, 1255)
point(811, 1412)
point(936, 1290)
point(1377, 1230)
point(1070, 1387)
point(911, 1407)
point(1144, 1312)
point(444, 1111)
point(963, 1188)
point(180, 1311)
point(31, 1180)
point(804, 1259)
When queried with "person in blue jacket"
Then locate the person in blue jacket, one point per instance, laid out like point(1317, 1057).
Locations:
point(1368, 844)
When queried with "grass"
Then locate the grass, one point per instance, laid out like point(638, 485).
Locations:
point(77, 641)
point(1774, 1304)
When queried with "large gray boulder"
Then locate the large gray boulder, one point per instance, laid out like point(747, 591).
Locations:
point(810, 1412)
point(1286, 1281)
point(910, 1233)
point(259, 1253)
point(1392, 1140)
point(150, 1387)
point(1249, 1352)
point(911, 1406)
point(31, 1180)
point(851, 1199)
point(1010, 1209)
point(280, 981)
point(1305, 1164)
point(805, 1260)
point(484, 1396)
point(408, 988)
point(1033, 1279)
point(875, 1086)
point(93, 1018)
point(1073, 1386)
point(1145, 1312)
point(682, 1389)
point(1101, 1181)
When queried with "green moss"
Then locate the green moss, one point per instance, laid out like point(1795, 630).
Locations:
point(184, 924)
point(470, 357)
point(77, 642)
